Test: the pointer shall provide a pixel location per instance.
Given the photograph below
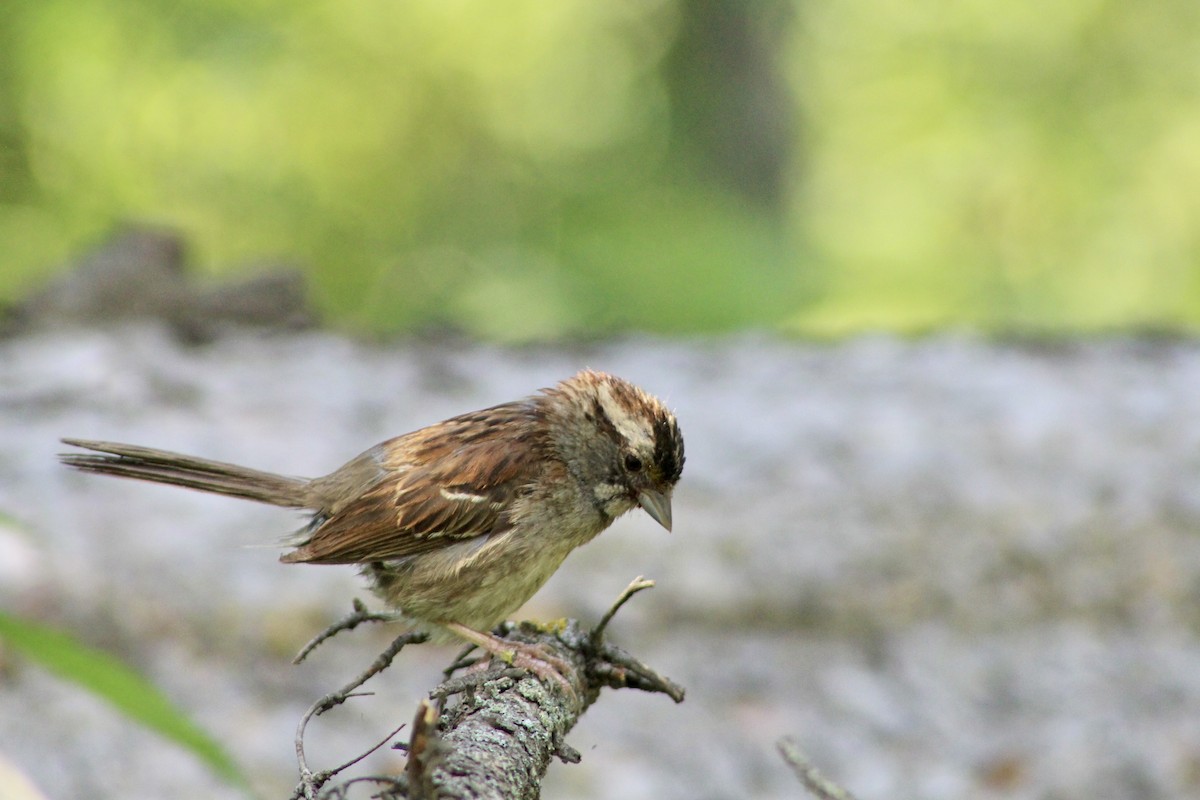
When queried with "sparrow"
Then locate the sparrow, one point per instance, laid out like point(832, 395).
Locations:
point(456, 525)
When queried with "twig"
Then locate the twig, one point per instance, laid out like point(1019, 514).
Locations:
point(359, 615)
point(311, 782)
point(462, 660)
point(326, 774)
point(816, 783)
point(342, 791)
point(636, 585)
point(422, 747)
point(608, 665)
point(611, 666)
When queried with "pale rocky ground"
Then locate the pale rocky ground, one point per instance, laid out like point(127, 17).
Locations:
point(949, 568)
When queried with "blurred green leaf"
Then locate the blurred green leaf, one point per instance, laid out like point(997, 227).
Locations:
point(107, 678)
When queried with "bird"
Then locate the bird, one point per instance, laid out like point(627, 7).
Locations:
point(456, 525)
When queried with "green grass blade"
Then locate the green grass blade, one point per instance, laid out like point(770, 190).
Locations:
point(106, 677)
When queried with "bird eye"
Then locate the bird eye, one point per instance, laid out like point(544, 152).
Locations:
point(633, 463)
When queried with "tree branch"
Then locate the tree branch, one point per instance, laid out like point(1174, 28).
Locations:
point(491, 732)
point(311, 782)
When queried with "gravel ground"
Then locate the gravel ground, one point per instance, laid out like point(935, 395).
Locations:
point(949, 568)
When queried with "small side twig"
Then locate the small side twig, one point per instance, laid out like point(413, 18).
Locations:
point(422, 746)
point(325, 775)
point(359, 615)
point(463, 660)
point(636, 585)
point(391, 787)
point(816, 783)
point(311, 782)
point(609, 665)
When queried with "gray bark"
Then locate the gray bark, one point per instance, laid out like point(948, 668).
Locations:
point(492, 733)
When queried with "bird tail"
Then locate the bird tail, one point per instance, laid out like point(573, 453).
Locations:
point(161, 466)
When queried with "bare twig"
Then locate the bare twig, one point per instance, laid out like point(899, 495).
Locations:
point(325, 775)
point(608, 665)
point(611, 666)
point(636, 585)
point(392, 787)
point(816, 783)
point(311, 782)
point(359, 615)
point(463, 660)
point(422, 747)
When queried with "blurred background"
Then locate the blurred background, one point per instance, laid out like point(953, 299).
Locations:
point(529, 170)
point(921, 281)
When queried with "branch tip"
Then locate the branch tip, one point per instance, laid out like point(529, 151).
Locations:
point(638, 584)
point(817, 784)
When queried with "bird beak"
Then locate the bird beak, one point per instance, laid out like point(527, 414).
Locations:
point(657, 505)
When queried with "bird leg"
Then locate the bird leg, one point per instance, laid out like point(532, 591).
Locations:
point(534, 658)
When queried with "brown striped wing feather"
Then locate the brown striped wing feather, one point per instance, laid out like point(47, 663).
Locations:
point(438, 486)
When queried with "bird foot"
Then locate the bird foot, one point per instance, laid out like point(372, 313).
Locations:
point(537, 659)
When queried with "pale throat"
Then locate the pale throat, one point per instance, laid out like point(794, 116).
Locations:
point(612, 499)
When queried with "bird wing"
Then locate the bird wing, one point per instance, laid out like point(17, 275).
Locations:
point(437, 487)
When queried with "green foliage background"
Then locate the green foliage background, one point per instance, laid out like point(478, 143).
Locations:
point(531, 169)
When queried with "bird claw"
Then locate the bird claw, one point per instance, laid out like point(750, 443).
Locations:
point(538, 660)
